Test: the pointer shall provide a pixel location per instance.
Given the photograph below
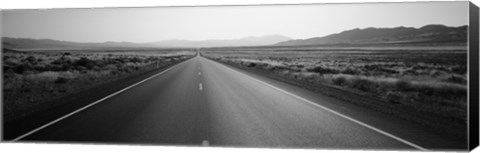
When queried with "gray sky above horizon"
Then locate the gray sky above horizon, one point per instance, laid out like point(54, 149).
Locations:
point(223, 22)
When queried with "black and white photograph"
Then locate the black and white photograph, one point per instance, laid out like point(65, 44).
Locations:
point(352, 76)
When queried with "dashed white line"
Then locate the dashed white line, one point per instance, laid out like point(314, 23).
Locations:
point(199, 73)
point(205, 143)
point(200, 87)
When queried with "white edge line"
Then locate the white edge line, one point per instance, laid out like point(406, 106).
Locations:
point(334, 112)
point(89, 105)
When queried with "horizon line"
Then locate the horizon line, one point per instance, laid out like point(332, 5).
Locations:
point(213, 39)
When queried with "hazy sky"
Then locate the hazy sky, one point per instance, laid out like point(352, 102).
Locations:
point(224, 22)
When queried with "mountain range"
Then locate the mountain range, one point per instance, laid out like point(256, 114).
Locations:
point(50, 44)
point(425, 34)
point(247, 41)
point(47, 44)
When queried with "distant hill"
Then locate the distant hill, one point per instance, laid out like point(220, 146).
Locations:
point(429, 33)
point(49, 44)
point(247, 41)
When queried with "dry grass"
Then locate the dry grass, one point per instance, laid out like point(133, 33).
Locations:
point(433, 82)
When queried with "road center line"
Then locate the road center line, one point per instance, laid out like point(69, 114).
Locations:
point(329, 110)
point(200, 87)
point(96, 102)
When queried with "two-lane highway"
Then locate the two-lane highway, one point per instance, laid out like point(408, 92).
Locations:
point(202, 102)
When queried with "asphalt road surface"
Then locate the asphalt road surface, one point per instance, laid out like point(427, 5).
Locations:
point(202, 102)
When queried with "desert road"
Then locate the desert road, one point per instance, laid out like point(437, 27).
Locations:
point(202, 102)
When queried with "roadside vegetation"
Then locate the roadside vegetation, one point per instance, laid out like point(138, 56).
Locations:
point(31, 79)
point(431, 83)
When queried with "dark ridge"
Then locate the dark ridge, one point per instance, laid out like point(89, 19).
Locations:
point(426, 34)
